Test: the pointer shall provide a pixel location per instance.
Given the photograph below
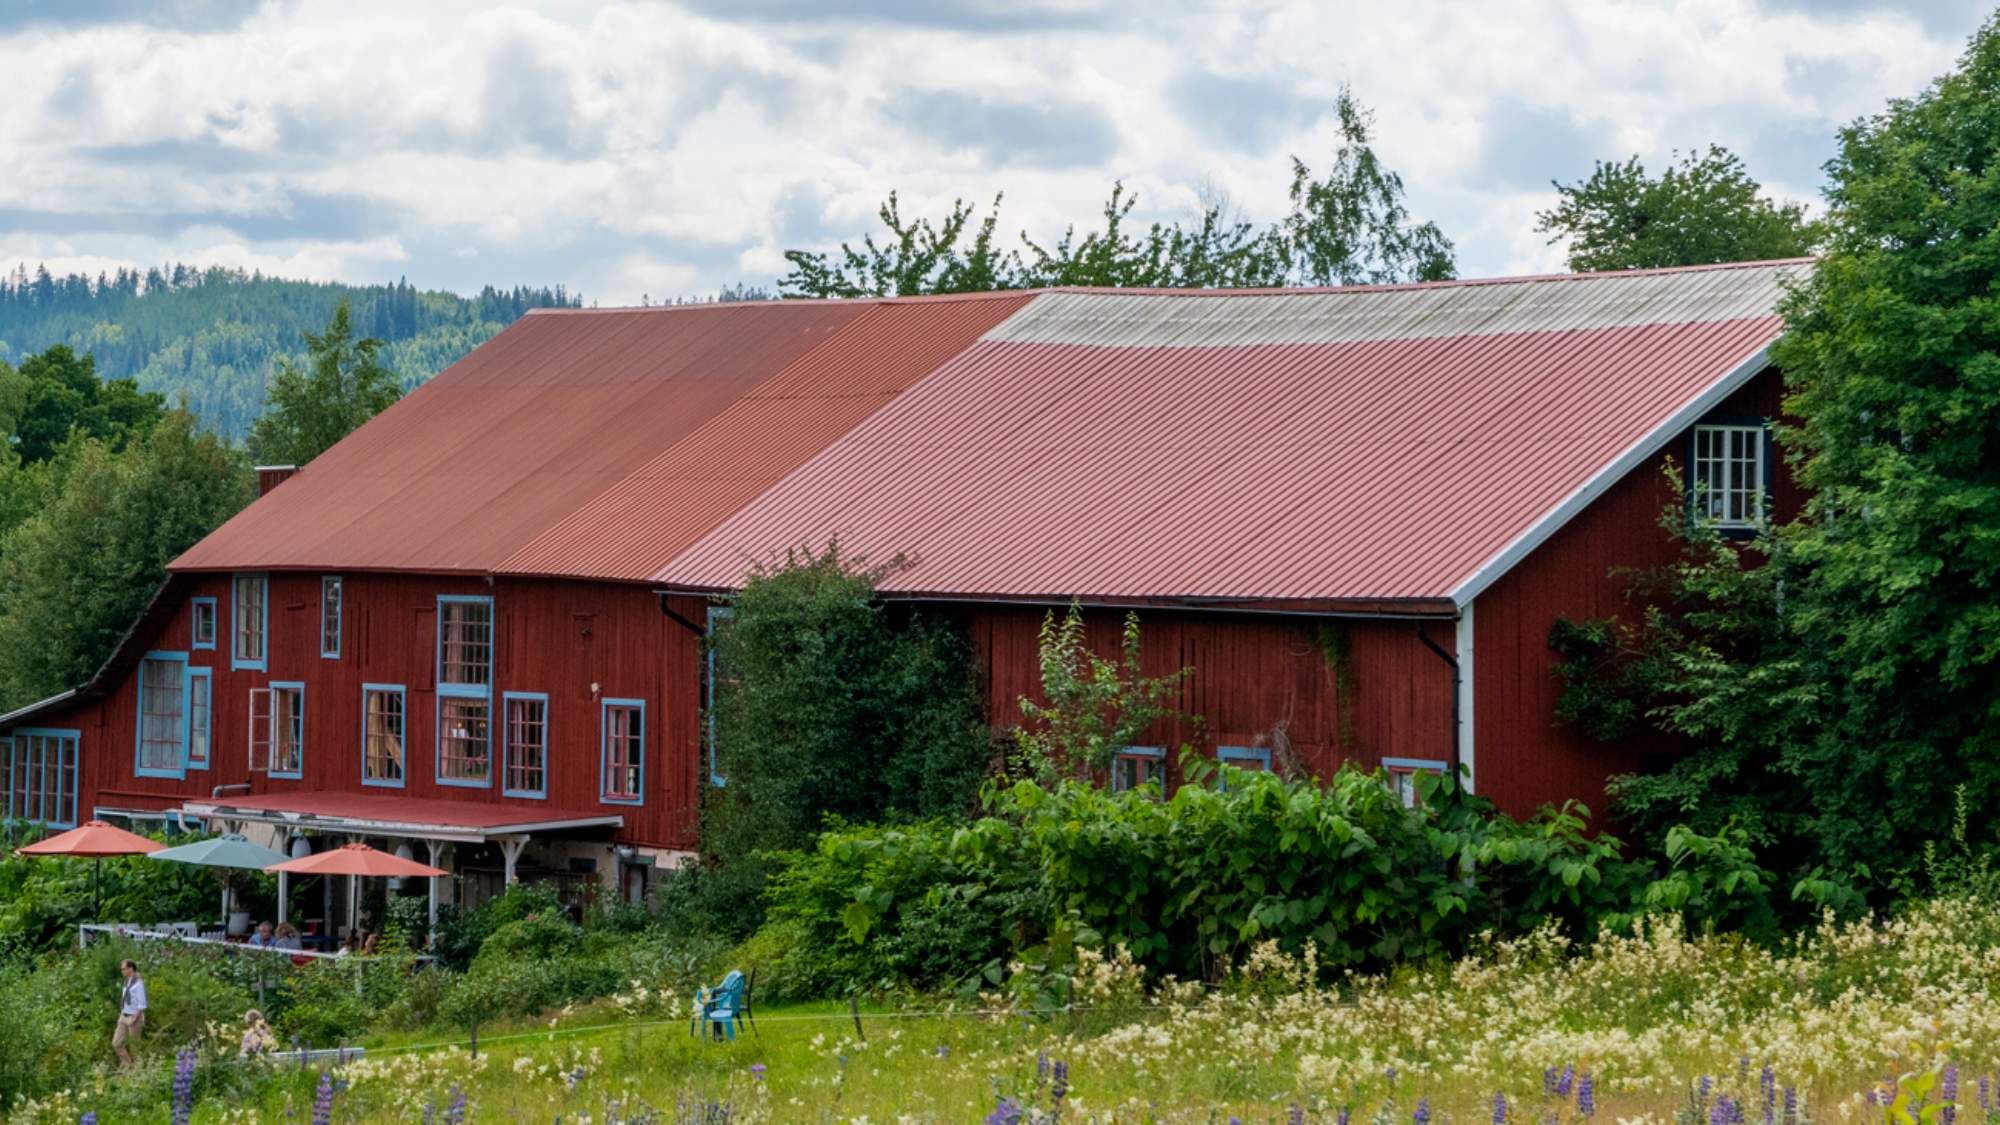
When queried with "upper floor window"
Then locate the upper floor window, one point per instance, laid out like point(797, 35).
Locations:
point(250, 613)
point(465, 642)
point(163, 714)
point(526, 758)
point(1729, 475)
point(383, 726)
point(464, 745)
point(40, 780)
point(204, 623)
point(288, 730)
point(201, 717)
point(1139, 765)
point(329, 616)
point(623, 751)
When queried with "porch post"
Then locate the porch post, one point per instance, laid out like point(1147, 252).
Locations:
point(436, 849)
point(510, 852)
point(284, 896)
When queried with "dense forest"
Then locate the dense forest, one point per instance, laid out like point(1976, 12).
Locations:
point(212, 337)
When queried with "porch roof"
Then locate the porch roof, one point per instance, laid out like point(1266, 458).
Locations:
point(373, 814)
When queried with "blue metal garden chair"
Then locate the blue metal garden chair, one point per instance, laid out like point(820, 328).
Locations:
point(720, 1009)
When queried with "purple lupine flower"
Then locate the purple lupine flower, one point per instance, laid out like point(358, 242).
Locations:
point(1743, 1070)
point(1008, 1112)
point(454, 1114)
point(323, 1100)
point(183, 1086)
point(1567, 1082)
point(1549, 1081)
point(1423, 1114)
point(431, 1113)
point(89, 1118)
point(1720, 1114)
point(1735, 1111)
point(1499, 1109)
point(1791, 1106)
point(1985, 1094)
point(1295, 1115)
point(1703, 1087)
point(1874, 1096)
point(1059, 1085)
point(1586, 1095)
point(1041, 1068)
point(1235, 1120)
point(757, 1071)
point(1949, 1094)
point(1341, 1117)
point(1767, 1084)
point(943, 1051)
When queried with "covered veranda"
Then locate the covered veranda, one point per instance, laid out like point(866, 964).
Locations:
point(436, 831)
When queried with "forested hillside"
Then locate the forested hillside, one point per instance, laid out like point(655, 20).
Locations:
point(213, 336)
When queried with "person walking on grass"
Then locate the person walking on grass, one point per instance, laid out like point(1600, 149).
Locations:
point(131, 1013)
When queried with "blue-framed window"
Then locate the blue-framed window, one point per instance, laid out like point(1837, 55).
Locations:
point(250, 622)
point(288, 730)
point(330, 590)
point(161, 730)
point(1244, 758)
point(385, 729)
point(1403, 777)
point(41, 777)
point(201, 717)
point(1729, 474)
point(1139, 765)
point(524, 754)
point(201, 626)
point(715, 675)
point(621, 752)
point(465, 691)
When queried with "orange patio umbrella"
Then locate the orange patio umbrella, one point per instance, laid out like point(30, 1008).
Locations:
point(95, 840)
point(357, 859)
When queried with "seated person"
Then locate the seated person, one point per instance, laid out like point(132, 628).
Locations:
point(287, 938)
point(264, 938)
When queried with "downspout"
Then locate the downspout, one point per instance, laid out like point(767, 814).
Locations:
point(1451, 661)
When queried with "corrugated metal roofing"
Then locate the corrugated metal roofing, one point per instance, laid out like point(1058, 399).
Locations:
point(517, 437)
point(632, 528)
point(1386, 443)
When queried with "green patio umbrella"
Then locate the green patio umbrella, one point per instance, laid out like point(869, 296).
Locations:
point(225, 851)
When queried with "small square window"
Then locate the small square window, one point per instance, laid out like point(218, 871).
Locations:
point(1139, 765)
point(204, 623)
point(1402, 778)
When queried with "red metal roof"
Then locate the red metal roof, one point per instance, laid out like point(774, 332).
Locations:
point(384, 809)
point(516, 437)
point(1380, 444)
point(631, 529)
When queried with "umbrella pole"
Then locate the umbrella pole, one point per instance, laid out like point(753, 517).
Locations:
point(96, 885)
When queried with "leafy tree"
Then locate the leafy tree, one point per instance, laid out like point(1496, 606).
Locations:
point(342, 387)
point(833, 704)
point(75, 575)
point(1843, 687)
point(1703, 209)
point(58, 392)
point(1352, 226)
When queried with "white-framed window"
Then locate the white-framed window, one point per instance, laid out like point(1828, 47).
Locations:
point(622, 754)
point(250, 615)
point(525, 742)
point(201, 717)
point(1729, 474)
point(163, 714)
point(329, 616)
point(1402, 777)
point(384, 729)
point(288, 730)
point(1139, 765)
point(464, 741)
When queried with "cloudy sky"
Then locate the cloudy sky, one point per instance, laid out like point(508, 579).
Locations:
point(670, 148)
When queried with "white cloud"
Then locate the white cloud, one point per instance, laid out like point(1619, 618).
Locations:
point(669, 149)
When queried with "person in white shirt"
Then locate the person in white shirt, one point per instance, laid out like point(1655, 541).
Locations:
point(131, 1013)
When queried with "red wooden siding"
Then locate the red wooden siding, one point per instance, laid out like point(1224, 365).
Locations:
point(1524, 759)
point(552, 637)
point(1250, 678)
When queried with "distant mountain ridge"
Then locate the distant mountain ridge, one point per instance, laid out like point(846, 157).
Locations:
point(211, 337)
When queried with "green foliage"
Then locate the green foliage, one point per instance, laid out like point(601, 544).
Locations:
point(1596, 697)
point(43, 899)
point(462, 933)
point(1715, 881)
point(1096, 706)
point(1703, 209)
point(1840, 685)
point(1351, 226)
point(830, 705)
point(1189, 883)
point(57, 394)
point(75, 575)
point(308, 410)
point(210, 339)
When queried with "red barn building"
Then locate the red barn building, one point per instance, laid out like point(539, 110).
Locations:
point(476, 626)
